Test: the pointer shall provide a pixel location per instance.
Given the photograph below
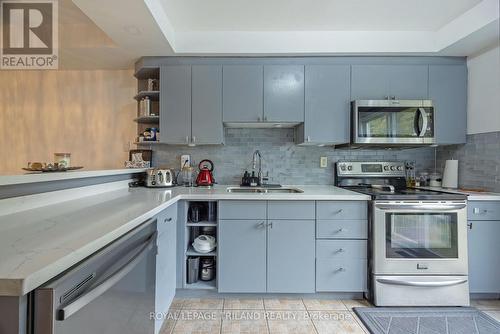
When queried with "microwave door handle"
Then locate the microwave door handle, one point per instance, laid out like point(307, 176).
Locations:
point(99, 290)
point(409, 282)
point(416, 122)
point(425, 121)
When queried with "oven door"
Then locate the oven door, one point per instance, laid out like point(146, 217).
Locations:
point(395, 122)
point(420, 238)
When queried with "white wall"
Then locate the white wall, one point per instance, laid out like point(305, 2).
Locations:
point(483, 106)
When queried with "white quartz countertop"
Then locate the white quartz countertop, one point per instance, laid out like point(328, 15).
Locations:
point(38, 244)
point(471, 195)
point(59, 176)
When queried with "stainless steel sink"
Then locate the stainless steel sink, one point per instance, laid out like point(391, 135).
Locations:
point(265, 190)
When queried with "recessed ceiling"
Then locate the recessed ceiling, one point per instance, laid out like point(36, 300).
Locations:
point(307, 15)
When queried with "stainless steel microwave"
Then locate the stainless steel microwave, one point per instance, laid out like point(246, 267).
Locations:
point(393, 122)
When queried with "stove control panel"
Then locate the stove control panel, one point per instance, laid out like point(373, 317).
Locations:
point(371, 168)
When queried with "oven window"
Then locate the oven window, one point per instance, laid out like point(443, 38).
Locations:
point(421, 235)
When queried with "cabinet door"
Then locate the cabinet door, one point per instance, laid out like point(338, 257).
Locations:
point(291, 256)
point(369, 82)
point(327, 107)
point(382, 81)
point(484, 256)
point(448, 91)
point(207, 104)
point(242, 256)
point(242, 98)
point(408, 82)
point(284, 93)
point(166, 261)
point(175, 104)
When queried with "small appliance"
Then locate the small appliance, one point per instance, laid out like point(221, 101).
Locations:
point(205, 177)
point(204, 244)
point(207, 269)
point(160, 178)
point(392, 122)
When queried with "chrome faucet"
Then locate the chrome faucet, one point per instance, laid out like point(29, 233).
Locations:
point(254, 160)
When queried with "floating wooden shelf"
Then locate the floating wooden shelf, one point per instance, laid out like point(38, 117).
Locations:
point(147, 119)
point(153, 95)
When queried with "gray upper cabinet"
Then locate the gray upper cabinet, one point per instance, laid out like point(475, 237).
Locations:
point(207, 105)
point(448, 91)
point(284, 93)
point(243, 93)
point(386, 81)
point(327, 107)
point(175, 104)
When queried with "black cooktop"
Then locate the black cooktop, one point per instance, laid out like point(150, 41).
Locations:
point(407, 194)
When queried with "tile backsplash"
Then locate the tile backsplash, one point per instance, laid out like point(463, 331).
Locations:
point(478, 161)
point(286, 162)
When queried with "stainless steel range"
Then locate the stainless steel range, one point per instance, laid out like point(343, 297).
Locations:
point(418, 238)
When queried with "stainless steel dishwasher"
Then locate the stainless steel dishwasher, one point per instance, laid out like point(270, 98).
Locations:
point(111, 292)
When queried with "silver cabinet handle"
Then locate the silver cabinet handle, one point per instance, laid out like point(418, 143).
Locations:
point(341, 269)
point(270, 224)
point(340, 250)
point(338, 211)
point(167, 220)
point(261, 225)
point(469, 225)
point(100, 289)
point(308, 138)
point(340, 230)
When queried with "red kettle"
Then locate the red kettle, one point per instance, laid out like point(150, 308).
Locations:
point(205, 177)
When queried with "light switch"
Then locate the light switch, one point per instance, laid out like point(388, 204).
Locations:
point(323, 162)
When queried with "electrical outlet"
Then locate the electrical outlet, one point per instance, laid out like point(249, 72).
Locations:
point(184, 158)
point(323, 162)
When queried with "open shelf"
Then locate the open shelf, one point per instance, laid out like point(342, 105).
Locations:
point(192, 252)
point(148, 119)
point(201, 224)
point(206, 285)
point(153, 95)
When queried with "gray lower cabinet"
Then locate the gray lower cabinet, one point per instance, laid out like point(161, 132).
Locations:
point(191, 104)
point(284, 93)
point(381, 81)
point(266, 255)
point(484, 247)
point(175, 104)
point(243, 93)
point(327, 105)
point(242, 256)
point(341, 246)
point(207, 125)
point(448, 92)
point(166, 260)
point(290, 256)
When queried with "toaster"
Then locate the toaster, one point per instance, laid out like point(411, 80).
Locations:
point(160, 177)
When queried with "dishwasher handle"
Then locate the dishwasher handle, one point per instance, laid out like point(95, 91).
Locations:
point(70, 309)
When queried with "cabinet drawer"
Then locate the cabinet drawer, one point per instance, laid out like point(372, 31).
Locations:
point(290, 210)
point(341, 249)
point(346, 275)
point(341, 210)
point(342, 229)
point(242, 209)
point(483, 210)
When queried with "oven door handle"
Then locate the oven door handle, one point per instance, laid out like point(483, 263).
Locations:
point(421, 207)
point(100, 289)
point(395, 281)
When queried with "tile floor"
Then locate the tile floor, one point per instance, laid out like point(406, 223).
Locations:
point(263, 316)
point(275, 316)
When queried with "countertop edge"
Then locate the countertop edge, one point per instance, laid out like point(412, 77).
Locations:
point(17, 287)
